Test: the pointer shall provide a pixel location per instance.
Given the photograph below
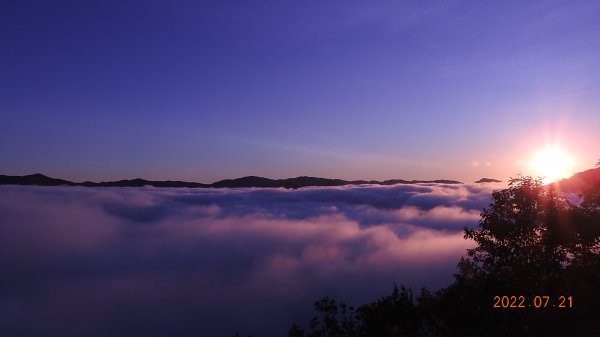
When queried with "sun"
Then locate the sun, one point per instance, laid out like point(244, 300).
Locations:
point(552, 163)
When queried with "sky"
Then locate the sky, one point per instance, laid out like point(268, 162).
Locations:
point(208, 90)
point(80, 261)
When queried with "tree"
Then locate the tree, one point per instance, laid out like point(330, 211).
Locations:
point(521, 239)
point(394, 315)
point(530, 242)
point(335, 319)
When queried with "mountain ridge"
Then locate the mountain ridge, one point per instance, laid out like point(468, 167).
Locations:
point(577, 182)
point(39, 179)
point(488, 180)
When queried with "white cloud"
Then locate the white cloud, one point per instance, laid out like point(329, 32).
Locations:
point(241, 255)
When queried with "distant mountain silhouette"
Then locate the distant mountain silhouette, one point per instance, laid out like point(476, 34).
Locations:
point(250, 181)
point(42, 180)
point(488, 180)
point(142, 182)
point(576, 183)
point(400, 181)
point(580, 181)
point(33, 179)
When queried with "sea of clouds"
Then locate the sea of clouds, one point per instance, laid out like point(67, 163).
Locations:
point(79, 261)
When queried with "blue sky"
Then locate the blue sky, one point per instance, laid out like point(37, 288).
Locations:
point(206, 90)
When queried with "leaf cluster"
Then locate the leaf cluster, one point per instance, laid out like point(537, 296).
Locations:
point(530, 241)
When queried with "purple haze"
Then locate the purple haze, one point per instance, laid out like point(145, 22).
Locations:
point(190, 262)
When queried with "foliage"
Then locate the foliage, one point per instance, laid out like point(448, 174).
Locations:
point(523, 239)
point(334, 320)
point(530, 242)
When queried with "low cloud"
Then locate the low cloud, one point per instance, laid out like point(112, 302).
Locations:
point(187, 262)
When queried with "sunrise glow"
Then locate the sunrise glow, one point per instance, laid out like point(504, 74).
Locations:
point(552, 163)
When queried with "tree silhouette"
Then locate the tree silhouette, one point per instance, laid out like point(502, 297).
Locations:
point(522, 239)
point(335, 319)
point(530, 242)
point(394, 315)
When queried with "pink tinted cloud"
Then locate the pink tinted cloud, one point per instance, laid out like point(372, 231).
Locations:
point(169, 253)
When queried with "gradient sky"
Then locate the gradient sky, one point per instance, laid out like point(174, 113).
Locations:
point(206, 90)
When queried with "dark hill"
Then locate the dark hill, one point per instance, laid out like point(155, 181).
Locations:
point(249, 181)
point(33, 179)
point(304, 181)
point(314, 181)
point(401, 181)
point(488, 180)
point(142, 182)
point(580, 181)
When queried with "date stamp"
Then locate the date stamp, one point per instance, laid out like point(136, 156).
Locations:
point(535, 302)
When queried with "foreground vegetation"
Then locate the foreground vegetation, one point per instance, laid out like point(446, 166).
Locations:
point(534, 272)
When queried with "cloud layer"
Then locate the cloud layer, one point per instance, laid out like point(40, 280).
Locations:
point(189, 262)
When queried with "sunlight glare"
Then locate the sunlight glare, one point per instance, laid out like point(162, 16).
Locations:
point(552, 164)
